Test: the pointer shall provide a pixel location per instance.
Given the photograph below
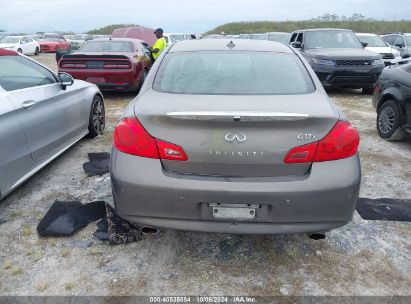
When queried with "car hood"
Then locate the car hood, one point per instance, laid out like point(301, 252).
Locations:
point(342, 53)
point(4, 45)
point(379, 49)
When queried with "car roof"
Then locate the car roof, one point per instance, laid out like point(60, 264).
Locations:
point(14, 36)
point(366, 34)
point(4, 52)
point(323, 29)
point(117, 39)
point(223, 45)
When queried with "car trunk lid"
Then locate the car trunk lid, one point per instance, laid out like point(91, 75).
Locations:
point(246, 136)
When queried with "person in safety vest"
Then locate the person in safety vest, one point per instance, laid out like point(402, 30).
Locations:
point(160, 45)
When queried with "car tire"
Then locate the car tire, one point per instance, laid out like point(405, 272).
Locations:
point(389, 121)
point(37, 51)
point(368, 91)
point(97, 120)
point(20, 51)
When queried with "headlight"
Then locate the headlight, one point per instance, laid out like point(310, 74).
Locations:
point(324, 61)
point(377, 62)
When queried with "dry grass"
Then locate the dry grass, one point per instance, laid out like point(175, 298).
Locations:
point(42, 286)
point(16, 270)
point(7, 264)
point(65, 252)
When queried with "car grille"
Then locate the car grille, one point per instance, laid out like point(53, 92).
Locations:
point(351, 80)
point(353, 62)
point(387, 55)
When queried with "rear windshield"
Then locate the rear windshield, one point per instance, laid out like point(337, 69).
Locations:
point(231, 73)
point(107, 46)
point(331, 39)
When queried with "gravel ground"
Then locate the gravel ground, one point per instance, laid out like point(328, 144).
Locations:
point(362, 258)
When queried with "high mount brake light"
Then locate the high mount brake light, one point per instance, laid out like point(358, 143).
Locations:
point(341, 142)
point(130, 137)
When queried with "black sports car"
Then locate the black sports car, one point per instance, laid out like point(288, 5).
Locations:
point(392, 100)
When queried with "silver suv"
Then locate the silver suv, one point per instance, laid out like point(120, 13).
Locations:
point(399, 41)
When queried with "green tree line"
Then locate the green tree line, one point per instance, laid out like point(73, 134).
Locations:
point(357, 23)
point(108, 30)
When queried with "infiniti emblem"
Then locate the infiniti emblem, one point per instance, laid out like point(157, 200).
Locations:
point(232, 137)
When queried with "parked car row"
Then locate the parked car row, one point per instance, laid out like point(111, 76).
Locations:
point(22, 44)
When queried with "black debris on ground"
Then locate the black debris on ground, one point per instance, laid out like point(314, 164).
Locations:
point(2, 221)
point(384, 209)
point(66, 217)
point(117, 231)
point(98, 165)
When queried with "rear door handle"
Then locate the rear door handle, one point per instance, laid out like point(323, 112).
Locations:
point(28, 104)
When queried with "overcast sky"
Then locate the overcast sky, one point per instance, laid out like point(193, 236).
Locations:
point(180, 16)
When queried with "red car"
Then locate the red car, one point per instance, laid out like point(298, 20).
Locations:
point(53, 45)
point(119, 64)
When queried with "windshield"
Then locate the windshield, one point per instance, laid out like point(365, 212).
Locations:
point(408, 39)
point(331, 39)
point(107, 46)
point(232, 73)
point(284, 38)
point(176, 38)
point(52, 39)
point(372, 40)
point(10, 40)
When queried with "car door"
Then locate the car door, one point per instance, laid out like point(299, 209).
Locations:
point(25, 45)
point(15, 158)
point(147, 56)
point(31, 45)
point(50, 116)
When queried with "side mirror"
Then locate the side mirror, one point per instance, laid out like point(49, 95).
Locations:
point(364, 44)
point(399, 45)
point(296, 44)
point(65, 79)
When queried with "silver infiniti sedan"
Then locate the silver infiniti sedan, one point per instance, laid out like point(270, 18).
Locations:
point(235, 137)
point(41, 115)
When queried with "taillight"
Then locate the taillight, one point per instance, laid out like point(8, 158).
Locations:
point(377, 88)
point(130, 137)
point(341, 142)
point(301, 154)
point(170, 151)
point(74, 65)
point(117, 66)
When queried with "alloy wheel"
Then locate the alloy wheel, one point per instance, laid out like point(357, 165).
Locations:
point(98, 116)
point(386, 120)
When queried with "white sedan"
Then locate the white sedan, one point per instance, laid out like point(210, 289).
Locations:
point(22, 44)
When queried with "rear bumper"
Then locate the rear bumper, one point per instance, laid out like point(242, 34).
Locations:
point(322, 200)
point(112, 80)
point(348, 76)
